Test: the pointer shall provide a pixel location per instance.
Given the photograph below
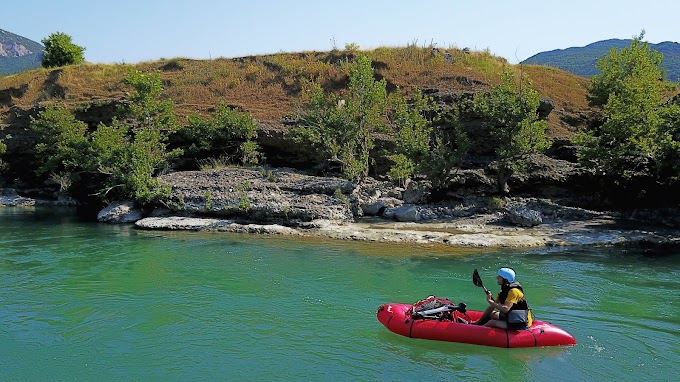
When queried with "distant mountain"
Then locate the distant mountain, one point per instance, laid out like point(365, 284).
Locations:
point(581, 60)
point(18, 53)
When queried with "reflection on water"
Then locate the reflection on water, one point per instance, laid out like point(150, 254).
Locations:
point(84, 300)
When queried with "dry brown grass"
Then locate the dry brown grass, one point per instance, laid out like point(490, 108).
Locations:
point(567, 91)
point(269, 86)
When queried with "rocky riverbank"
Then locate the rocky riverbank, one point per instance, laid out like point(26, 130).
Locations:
point(481, 231)
point(286, 202)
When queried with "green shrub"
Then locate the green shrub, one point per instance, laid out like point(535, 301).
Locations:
point(640, 135)
point(496, 203)
point(340, 129)
point(402, 169)
point(268, 174)
point(510, 110)
point(63, 145)
point(3, 149)
point(207, 195)
point(132, 153)
point(227, 132)
point(434, 152)
point(342, 198)
point(244, 202)
point(61, 51)
point(120, 159)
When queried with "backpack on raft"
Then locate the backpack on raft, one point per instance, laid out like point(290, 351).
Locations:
point(437, 308)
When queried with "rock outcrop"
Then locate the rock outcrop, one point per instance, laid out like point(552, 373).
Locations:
point(524, 217)
point(279, 195)
point(10, 198)
point(120, 212)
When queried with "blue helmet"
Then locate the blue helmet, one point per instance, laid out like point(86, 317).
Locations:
point(507, 273)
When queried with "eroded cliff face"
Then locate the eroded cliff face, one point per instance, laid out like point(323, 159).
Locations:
point(12, 49)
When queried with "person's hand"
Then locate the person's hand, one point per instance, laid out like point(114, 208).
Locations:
point(489, 299)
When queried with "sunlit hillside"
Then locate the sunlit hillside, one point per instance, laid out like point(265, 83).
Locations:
point(269, 86)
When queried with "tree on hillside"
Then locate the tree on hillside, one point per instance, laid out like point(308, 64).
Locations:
point(668, 170)
point(639, 134)
point(340, 129)
point(115, 161)
point(227, 131)
point(62, 146)
point(61, 51)
point(132, 152)
point(420, 147)
point(510, 109)
point(638, 62)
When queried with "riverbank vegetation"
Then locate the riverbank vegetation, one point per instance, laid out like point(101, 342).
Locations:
point(121, 159)
point(175, 114)
point(639, 136)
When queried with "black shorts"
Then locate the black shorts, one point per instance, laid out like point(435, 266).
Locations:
point(517, 326)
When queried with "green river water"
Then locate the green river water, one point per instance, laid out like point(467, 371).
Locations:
point(87, 301)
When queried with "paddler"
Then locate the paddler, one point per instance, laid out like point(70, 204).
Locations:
point(509, 310)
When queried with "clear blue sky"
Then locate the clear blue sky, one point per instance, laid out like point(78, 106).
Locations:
point(144, 30)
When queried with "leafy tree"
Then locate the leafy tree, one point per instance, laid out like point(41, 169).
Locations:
point(639, 128)
point(419, 146)
point(227, 130)
point(132, 153)
point(62, 146)
point(129, 162)
point(120, 159)
point(669, 153)
point(402, 168)
point(340, 129)
point(147, 110)
point(413, 128)
point(447, 149)
point(511, 112)
point(619, 67)
point(61, 51)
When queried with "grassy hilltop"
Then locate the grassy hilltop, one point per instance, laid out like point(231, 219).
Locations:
point(270, 90)
point(269, 86)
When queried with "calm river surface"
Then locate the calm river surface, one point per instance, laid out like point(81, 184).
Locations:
point(88, 301)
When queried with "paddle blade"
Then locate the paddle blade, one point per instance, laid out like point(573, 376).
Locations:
point(476, 279)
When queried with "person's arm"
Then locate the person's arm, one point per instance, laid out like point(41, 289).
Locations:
point(503, 308)
point(513, 296)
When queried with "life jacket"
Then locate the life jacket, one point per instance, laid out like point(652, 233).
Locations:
point(518, 316)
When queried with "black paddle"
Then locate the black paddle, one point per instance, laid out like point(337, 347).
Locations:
point(478, 281)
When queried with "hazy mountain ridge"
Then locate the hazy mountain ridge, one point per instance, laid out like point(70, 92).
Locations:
point(581, 60)
point(18, 53)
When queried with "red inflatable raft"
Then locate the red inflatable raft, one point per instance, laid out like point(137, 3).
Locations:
point(400, 319)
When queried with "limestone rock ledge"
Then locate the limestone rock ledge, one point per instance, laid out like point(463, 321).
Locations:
point(285, 202)
point(480, 232)
point(205, 224)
